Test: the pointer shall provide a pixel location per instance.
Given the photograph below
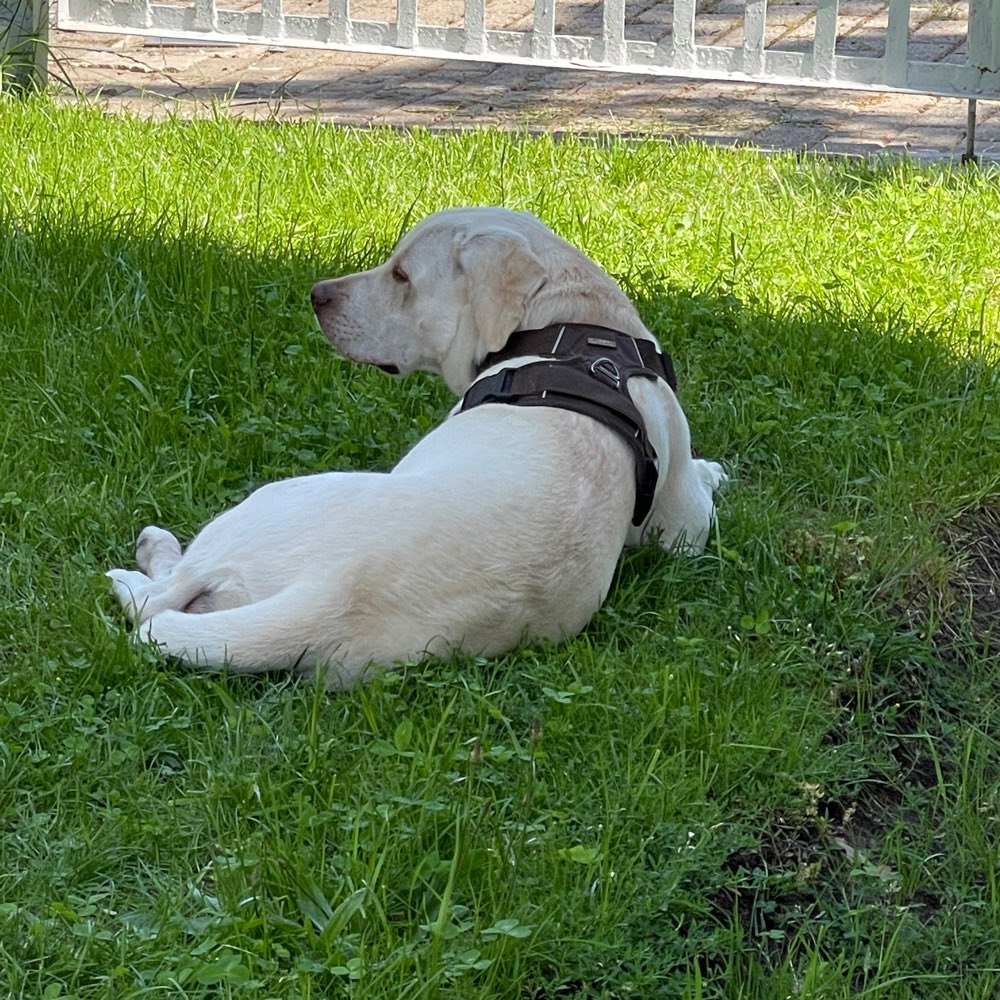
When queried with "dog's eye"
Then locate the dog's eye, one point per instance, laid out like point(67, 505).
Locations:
point(398, 274)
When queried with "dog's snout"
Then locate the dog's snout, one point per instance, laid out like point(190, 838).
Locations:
point(324, 294)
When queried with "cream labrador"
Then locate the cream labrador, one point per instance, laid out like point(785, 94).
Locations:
point(502, 525)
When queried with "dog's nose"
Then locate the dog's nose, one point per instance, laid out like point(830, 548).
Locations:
point(323, 294)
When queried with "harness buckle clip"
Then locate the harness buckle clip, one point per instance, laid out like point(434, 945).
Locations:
point(607, 371)
point(501, 392)
point(647, 475)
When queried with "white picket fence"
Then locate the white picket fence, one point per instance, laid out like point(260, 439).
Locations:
point(609, 37)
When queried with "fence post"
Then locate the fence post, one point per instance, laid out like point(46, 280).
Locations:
point(24, 44)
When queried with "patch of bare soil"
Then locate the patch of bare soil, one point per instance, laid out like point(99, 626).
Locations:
point(779, 885)
point(972, 608)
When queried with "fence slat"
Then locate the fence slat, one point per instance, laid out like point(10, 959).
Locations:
point(543, 33)
point(614, 32)
point(340, 22)
point(754, 21)
point(205, 16)
point(896, 41)
point(24, 44)
point(984, 35)
point(825, 40)
point(406, 23)
point(682, 35)
point(272, 19)
point(475, 26)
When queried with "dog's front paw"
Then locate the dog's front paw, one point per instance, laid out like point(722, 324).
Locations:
point(712, 473)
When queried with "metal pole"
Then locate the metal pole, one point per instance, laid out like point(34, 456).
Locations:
point(969, 156)
point(24, 39)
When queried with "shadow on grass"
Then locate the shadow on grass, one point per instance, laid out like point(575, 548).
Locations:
point(125, 334)
point(201, 363)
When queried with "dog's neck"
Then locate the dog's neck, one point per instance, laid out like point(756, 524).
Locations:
point(580, 292)
point(573, 297)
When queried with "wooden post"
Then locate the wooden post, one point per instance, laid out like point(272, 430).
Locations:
point(24, 44)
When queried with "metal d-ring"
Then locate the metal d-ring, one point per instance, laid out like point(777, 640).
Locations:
point(606, 369)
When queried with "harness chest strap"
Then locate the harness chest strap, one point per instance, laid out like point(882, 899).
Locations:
point(583, 340)
point(589, 374)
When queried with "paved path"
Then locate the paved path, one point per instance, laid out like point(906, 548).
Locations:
point(124, 72)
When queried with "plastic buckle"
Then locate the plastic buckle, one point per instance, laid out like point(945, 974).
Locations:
point(502, 393)
point(647, 475)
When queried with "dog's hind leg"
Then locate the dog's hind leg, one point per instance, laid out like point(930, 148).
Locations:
point(142, 597)
point(271, 634)
point(157, 552)
point(131, 588)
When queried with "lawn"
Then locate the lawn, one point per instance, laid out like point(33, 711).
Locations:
point(769, 772)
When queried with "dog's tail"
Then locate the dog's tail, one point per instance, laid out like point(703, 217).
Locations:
point(272, 634)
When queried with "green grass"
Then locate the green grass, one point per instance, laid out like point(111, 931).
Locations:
point(769, 772)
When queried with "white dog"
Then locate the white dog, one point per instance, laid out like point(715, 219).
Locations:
point(503, 524)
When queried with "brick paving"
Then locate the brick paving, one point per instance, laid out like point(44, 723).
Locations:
point(127, 73)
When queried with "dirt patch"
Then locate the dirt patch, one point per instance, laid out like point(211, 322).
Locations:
point(780, 887)
point(956, 603)
point(970, 623)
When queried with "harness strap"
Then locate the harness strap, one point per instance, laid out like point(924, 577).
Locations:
point(589, 376)
point(567, 340)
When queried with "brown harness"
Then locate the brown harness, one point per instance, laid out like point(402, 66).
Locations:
point(589, 374)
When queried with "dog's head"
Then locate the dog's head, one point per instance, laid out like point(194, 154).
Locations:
point(454, 289)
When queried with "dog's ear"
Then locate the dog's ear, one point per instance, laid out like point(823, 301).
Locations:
point(502, 273)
